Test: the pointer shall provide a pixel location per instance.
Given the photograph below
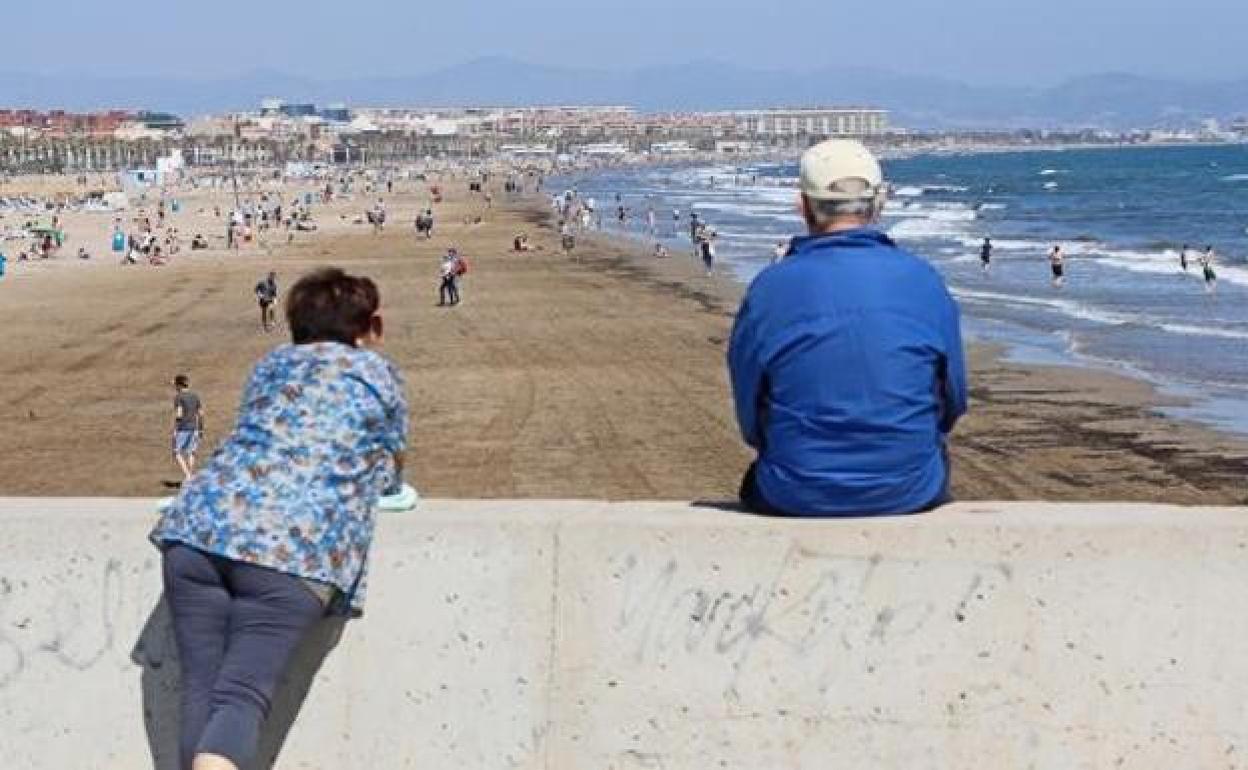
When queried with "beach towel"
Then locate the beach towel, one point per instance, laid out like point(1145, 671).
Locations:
point(406, 500)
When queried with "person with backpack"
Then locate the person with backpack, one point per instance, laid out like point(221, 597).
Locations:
point(453, 267)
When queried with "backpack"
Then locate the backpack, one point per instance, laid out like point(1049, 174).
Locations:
point(461, 266)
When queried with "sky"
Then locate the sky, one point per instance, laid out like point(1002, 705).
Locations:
point(983, 42)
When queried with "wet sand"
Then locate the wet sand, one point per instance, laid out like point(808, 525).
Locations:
point(601, 377)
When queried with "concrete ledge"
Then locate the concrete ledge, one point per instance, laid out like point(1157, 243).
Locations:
point(591, 635)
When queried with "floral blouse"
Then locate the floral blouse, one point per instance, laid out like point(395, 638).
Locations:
point(295, 486)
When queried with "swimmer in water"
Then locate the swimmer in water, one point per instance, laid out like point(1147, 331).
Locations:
point(985, 255)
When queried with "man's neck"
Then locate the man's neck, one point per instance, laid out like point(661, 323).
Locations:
point(840, 226)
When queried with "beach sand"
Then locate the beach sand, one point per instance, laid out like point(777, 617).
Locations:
point(599, 378)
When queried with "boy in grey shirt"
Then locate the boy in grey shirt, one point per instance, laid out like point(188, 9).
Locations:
point(188, 424)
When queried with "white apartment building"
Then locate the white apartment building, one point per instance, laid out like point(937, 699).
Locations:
point(810, 122)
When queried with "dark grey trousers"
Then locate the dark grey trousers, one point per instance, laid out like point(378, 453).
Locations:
point(237, 627)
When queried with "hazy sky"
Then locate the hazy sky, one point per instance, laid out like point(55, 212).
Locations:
point(982, 41)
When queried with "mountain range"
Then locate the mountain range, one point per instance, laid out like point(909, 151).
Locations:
point(1111, 101)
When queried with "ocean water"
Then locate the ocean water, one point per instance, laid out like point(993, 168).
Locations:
point(1120, 214)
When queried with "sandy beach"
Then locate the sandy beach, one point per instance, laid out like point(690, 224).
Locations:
point(600, 378)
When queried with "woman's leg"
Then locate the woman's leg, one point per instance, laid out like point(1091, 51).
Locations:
point(271, 614)
point(200, 605)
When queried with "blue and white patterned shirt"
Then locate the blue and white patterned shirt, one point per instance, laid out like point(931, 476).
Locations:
point(295, 486)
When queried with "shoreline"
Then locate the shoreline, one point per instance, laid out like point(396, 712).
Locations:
point(1202, 399)
point(1102, 409)
point(601, 377)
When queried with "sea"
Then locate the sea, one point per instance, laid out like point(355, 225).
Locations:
point(1121, 215)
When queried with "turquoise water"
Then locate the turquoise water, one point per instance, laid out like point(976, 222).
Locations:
point(1121, 216)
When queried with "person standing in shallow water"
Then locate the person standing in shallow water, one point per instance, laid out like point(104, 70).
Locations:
point(1057, 266)
point(257, 548)
point(1206, 266)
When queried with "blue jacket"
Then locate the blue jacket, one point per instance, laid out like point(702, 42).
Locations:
point(847, 372)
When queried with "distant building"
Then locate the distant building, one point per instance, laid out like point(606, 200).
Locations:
point(161, 121)
point(603, 150)
point(279, 108)
point(527, 150)
point(337, 113)
point(810, 122)
point(59, 124)
point(304, 110)
point(672, 148)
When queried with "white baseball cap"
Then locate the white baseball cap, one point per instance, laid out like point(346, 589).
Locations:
point(840, 170)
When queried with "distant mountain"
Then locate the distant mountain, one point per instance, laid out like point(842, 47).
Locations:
point(1101, 101)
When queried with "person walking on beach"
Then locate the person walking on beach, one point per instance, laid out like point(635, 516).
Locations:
point(567, 238)
point(1206, 267)
point(266, 297)
point(846, 359)
point(188, 425)
point(379, 217)
point(258, 549)
point(235, 229)
point(985, 255)
point(451, 269)
point(706, 243)
point(1057, 265)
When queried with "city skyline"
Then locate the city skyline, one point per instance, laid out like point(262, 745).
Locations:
point(1107, 101)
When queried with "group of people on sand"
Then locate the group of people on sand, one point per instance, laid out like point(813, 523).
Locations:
point(257, 549)
point(146, 243)
point(45, 242)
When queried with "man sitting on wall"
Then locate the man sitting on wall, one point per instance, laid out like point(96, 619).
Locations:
point(846, 359)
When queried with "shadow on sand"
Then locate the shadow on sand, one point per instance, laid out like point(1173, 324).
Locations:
point(157, 654)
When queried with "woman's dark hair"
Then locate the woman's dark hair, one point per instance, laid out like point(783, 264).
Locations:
point(327, 305)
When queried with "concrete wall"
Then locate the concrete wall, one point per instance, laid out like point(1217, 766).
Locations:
point(590, 636)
